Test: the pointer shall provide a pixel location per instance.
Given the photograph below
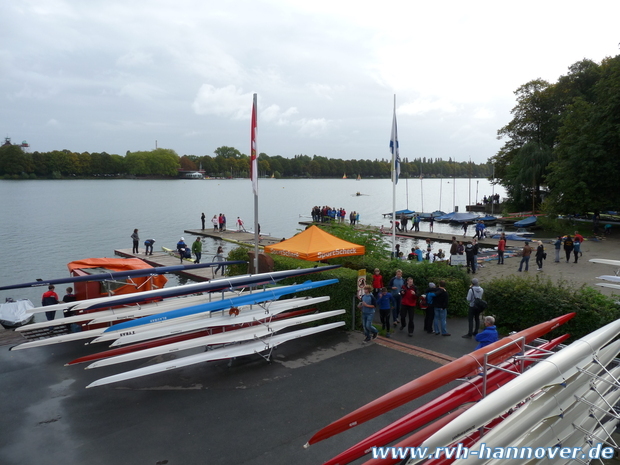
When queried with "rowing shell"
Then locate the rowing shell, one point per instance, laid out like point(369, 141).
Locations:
point(555, 429)
point(605, 261)
point(172, 327)
point(239, 335)
point(94, 333)
point(225, 352)
point(125, 313)
point(469, 391)
point(555, 369)
point(429, 382)
point(552, 401)
point(182, 337)
point(255, 298)
point(158, 294)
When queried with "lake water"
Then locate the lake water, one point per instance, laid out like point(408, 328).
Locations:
point(47, 224)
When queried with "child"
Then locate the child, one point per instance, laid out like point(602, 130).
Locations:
point(367, 305)
point(385, 302)
point(377, 282)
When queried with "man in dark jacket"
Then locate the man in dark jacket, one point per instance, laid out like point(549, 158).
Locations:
point(441, 309)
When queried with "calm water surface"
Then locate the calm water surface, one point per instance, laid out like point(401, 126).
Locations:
point(47, 224)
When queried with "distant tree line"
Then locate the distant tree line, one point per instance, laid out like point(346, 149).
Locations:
point(17, 164)
point(562, 149)
point(228, 162)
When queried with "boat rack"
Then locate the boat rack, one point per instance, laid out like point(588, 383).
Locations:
point(606, 415)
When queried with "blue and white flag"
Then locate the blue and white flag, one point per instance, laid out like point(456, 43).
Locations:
point(394, 150)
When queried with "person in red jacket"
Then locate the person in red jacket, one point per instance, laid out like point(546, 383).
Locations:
point(49, 298)
point(377, 282)
point(408, 303)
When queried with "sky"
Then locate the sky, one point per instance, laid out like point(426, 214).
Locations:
point(116, 76)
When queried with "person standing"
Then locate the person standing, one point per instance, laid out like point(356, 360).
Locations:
point(148, 244)
point(219, 257)
point(202, 220)
point(385, 302)
point(558, 247)
point(471, 259)
point(464, 227)
point(408, 304)
point(488, 335)
point(501, 248)
point(49, 297)
point(525, 257)
point(473, 314)
point(181, 246)
point(431, 221)
point(368, 305)
point(216, 223)
point(540, 255)
point(577, 241)
point(440, 300)
point(240, 226)
point(197, 249)
point(220, 222)
point(377, 282)
point(429, 315)
point(568, 247)
point(136, 241)
point(395, 285)
point(70, 297)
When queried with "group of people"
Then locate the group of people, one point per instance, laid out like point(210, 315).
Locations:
point(327, 214)
point(50, 297)
point(470, 250)
point(402, 223)
point(196, 250)
point(491, 199)
point(399, 298)
point(417, 254)
point(148, 244)
point(570, 245)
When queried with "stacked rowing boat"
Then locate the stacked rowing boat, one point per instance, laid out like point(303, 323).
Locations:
point(564, 400)
point(234, 325)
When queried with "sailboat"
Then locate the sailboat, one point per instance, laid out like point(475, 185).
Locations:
point(344, 176)
point(359, 177)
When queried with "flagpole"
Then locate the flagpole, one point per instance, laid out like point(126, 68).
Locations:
point(394, 144)
point(254, 176)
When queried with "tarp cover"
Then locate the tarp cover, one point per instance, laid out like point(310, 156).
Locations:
point(313, 245)
point(139, 284)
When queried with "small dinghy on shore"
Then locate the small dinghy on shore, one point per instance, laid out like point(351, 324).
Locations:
point(14, 314)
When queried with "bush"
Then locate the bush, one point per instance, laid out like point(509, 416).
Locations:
point(519, 302)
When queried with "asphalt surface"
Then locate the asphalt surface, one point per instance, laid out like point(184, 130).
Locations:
point(252, 412)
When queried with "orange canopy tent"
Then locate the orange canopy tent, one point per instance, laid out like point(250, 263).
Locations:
point(313, 245)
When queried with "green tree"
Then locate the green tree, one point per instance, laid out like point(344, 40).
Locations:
point(584, 176)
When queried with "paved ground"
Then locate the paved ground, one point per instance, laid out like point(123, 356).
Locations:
point(251, 413)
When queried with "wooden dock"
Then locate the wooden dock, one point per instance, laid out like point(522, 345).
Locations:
point(242, 238)
point(161, 258)
point(437, 237)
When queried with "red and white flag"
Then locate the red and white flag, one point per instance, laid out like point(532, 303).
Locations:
point(253, 150)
